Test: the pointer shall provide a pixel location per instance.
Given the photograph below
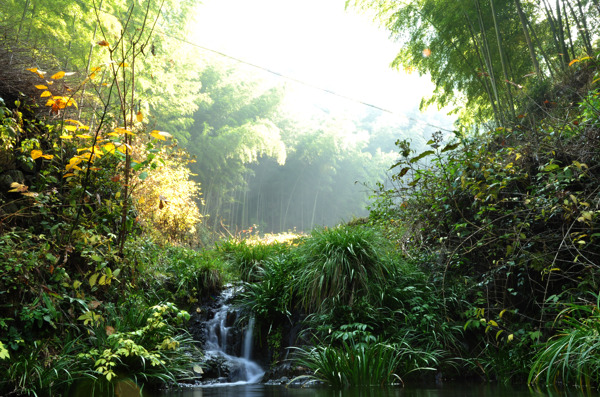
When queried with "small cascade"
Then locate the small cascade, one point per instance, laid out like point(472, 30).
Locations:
point(223, 344)
point(248, 340)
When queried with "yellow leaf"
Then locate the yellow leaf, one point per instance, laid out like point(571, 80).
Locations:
point(18, 188)
point(511, 337)
point(50, 102)
point(502, 313)
point(162, 135)
point(139, 117)
point(103, 43)
point(48, 156)
point(77, 122)
point(58, 76)
point(122, 131)
point(30, 194)
point(492, 322)
point(45, 94)
point(34, 70)
point(92, 279)
point(123, 64)
point(70, 128)
point(68, 175)
point(71, 102)
point(35, 154)
point(573, 62)
point(84, 136)
point(41, 87)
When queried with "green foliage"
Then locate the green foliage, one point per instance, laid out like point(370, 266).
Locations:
point(149, 352)
point(572, 356)
point(369, 363)
point(179, 274)
point(340, 264)
point(246, 258)
point(478, 50)
point(270, 298)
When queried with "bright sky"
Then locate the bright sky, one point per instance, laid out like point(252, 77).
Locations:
point(315, 41)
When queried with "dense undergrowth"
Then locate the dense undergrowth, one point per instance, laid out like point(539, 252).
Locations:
point(480, 261)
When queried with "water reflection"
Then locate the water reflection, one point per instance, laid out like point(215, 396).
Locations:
point(447, 390)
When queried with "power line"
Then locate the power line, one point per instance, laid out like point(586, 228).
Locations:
point(296, 80)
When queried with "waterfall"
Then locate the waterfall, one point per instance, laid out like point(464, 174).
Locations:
point(221, 338)
point(248, 341)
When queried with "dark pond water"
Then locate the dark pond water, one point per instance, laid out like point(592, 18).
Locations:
point(447, 390)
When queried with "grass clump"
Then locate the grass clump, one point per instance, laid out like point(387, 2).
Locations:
point(572, 356)
point(366, 363)
point(246, 258)
point(341, 263)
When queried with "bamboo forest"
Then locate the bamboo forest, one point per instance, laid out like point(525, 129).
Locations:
point(171, 221)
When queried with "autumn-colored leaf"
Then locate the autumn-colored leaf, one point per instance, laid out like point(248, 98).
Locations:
point(84, 136)
point(109, 330)
point(68, 175)
point(36, 154)
point(162, 135)
point(48, 156)
point(41, 87)
point(58, 75)
point(139, 117)
point(33, 70)
point(426, 52)
point(574, 61)
point(71, 128)
point(45, 94)
point(66, 137)
point(103, 43)
point(94, 304)
point(121, 131)
point(18, 187)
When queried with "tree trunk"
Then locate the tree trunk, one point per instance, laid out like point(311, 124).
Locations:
point(483, 71)
point(532, 54)
point(507, 79)
point(22, 19)
point(488, 61)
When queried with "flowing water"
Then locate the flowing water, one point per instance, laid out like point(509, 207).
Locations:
point(219, 344)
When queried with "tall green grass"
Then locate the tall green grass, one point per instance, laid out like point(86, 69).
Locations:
point(246, 259)
point(369, 363)
point(572, 357)
point(341, 263)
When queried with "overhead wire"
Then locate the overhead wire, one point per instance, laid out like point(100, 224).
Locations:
point(297, 80)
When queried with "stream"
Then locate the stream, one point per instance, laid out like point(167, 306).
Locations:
point(446, 390)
